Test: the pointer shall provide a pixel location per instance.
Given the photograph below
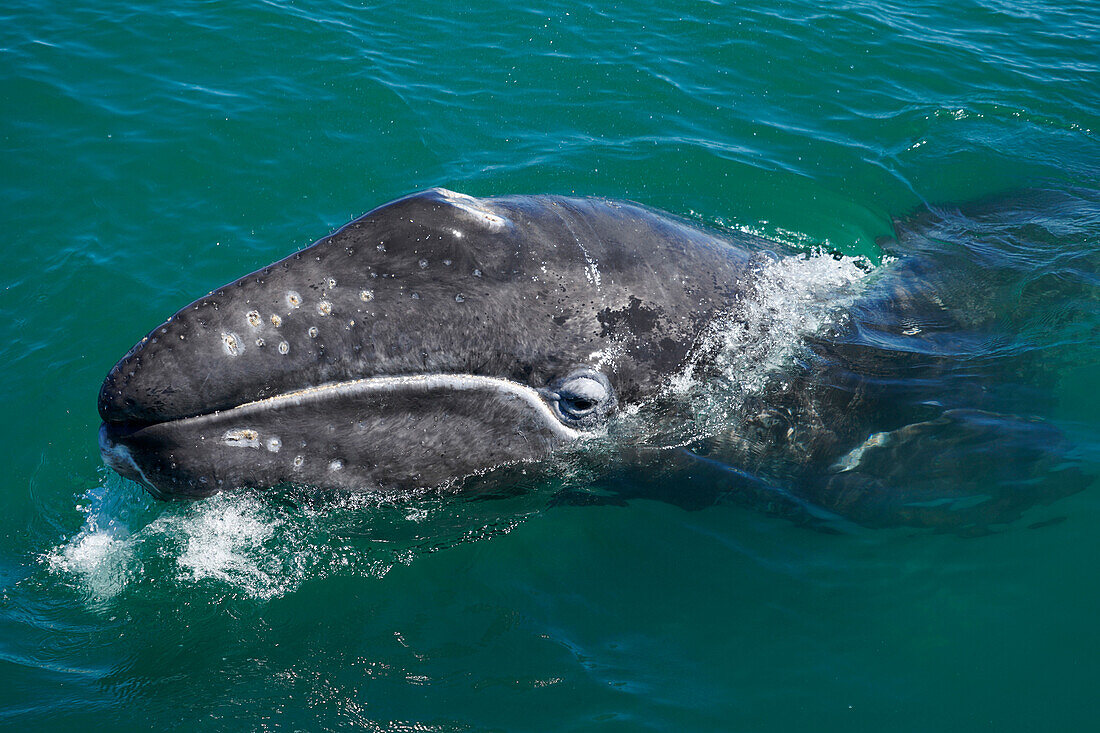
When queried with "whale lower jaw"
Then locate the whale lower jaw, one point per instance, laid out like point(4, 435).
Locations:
point(379, 432)
point(505, 388)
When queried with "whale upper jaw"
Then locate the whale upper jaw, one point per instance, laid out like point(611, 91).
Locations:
point(393, 292)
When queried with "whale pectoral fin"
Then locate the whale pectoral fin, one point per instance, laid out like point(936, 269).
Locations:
point(961, 471)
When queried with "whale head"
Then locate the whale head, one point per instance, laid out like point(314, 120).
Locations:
point(436, 337)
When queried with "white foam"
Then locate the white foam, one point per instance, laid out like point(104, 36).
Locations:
point(788, 300)
point(225, 541)
point(101, 555)
point(240, 543)
point(100, 559)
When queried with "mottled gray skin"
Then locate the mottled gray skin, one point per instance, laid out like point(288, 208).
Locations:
point(523, 290)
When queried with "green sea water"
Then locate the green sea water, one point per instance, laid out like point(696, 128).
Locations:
point(152, 152)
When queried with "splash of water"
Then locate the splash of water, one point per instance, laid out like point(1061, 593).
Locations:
point(788, 299)
point(243, 543)
point(260, 546)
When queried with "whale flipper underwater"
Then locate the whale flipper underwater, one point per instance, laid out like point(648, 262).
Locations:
point(441, 336)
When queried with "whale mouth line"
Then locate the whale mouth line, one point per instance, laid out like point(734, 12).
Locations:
point(418, 383)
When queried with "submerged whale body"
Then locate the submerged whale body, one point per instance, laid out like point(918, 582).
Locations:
point(441, 336)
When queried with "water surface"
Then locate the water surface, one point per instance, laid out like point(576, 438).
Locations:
point(150, 154)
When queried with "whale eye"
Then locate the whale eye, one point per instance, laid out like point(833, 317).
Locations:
point(583, 399)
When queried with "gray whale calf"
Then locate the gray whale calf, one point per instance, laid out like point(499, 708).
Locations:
point(441, 336)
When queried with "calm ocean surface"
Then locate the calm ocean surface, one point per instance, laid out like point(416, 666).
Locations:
point(151, 152)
